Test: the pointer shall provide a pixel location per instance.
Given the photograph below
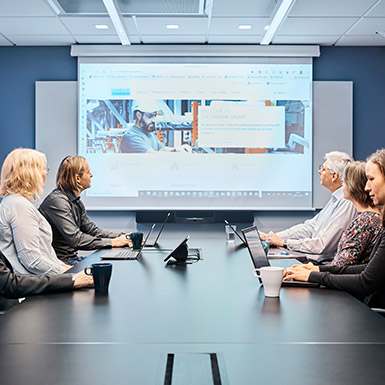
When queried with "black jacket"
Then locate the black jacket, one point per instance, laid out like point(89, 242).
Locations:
point(13, 286)
point(72, 228)
point(366, 282)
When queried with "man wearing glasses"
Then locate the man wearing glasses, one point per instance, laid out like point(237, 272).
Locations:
point(320, 235)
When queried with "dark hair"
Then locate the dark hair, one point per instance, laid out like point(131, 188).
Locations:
point(69, 167)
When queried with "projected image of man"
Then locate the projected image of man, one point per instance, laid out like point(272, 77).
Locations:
point(321, 234)
point(141, 137)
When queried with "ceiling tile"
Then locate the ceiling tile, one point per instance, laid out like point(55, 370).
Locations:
point(170, 39)
point(31, 25)
point(331, 8)
point(378, 10)
point(157, 25)
point(243, 8)
point(316, 26)
point(103, 39)
point(86, 25)
point(160, 7)
point(41, 40)
point(368, 26)
point(234, 39)
point(229, 25)
point(310, 39)
point(17, 8)
point(362, 40)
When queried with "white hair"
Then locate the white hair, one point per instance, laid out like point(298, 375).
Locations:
point(337, 161)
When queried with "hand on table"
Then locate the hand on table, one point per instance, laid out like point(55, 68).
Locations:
point(274, 239)
point(67, 267)
point(83, 280)
point(263, 236)
point(121, 241)
point(299, 272)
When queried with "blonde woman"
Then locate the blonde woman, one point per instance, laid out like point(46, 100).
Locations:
point(25, 235)
point(365, 281)
point(358, 239)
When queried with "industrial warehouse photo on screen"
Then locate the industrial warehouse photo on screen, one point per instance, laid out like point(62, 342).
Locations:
point(197, 135)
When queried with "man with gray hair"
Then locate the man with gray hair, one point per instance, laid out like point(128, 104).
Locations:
point(321, 234)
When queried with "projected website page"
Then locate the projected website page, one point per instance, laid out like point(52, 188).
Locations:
point(228, 136)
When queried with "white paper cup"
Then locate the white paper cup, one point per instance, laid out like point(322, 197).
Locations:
point(271, 278)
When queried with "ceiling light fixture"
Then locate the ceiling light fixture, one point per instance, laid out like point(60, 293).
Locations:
point(172, 26)
point(101, 26)
point(244, 26)
point(117, 20)
point(279, 15)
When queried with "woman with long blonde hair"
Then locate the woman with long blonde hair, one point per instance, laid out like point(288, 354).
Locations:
point(25, 235)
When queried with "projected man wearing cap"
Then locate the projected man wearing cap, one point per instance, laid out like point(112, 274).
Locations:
point(141, 138)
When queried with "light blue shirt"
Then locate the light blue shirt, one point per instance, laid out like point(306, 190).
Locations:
point(136, 140)
point(321, 234)
point(26, 237)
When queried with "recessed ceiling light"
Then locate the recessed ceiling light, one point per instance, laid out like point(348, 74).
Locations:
point(101, 26)
point(244, 26)
point(172, 26)
point(266, 27)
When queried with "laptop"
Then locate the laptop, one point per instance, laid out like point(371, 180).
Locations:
point(154, 243)
point(235, 231)
point(259, 258)
point(127, 254)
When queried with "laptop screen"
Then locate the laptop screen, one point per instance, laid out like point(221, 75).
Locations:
point(254, 244)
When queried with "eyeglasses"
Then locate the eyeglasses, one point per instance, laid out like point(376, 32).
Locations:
point(321, 169)
point(46, 168)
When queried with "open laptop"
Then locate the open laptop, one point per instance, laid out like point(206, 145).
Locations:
point(127, 254)
point(154, 243)
point(259, 258)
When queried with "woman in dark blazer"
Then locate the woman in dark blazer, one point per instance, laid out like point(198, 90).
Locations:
point(14, 286)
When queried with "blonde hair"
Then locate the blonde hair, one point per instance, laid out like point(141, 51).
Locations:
point(69, 167)
point(355, 181)
point(378, 158)
point(22, 173)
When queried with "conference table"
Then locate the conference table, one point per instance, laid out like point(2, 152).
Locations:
point(207, 322)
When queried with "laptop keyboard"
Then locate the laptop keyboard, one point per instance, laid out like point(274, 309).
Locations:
point(127, 254)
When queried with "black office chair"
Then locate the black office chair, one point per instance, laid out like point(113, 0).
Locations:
point(377, 302)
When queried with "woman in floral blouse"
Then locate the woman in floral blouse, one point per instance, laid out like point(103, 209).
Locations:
point(358, 239)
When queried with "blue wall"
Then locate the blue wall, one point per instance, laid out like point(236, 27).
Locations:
point(20, 67)
point(365, 66)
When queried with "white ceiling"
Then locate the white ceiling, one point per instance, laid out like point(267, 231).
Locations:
point(323, 22)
